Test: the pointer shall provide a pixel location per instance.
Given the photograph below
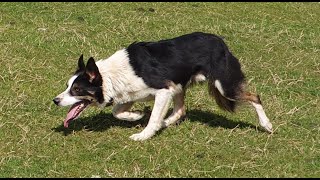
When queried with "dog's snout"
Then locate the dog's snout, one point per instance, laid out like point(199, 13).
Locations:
point(56, 100)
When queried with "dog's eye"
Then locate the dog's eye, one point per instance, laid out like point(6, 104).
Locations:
point(77, 89)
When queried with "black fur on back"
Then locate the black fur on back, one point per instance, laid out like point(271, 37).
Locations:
point(179, 58)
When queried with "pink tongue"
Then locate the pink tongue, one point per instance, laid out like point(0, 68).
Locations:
point(71, 114)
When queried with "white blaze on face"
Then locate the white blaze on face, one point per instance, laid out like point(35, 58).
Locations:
point(66, 98)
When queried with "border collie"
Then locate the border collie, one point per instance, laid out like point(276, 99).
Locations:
point(159, 71)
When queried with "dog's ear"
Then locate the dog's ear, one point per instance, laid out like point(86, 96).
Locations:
point(81, 66)
point(93, 72)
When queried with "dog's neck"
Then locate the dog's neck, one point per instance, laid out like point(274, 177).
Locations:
point(119, 80)
point(112, 71)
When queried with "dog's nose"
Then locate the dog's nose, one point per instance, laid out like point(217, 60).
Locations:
point(56, 100)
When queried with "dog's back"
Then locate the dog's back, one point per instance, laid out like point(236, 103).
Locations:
point(180, 58)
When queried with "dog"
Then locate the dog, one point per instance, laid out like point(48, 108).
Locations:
point(159, 71)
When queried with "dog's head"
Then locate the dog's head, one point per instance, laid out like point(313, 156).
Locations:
point(83, 88)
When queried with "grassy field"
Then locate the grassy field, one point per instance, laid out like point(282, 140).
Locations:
point(277, 43)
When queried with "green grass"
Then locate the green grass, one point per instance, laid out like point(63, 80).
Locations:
point(277, 43)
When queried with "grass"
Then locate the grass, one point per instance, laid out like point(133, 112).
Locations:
point(277, 43)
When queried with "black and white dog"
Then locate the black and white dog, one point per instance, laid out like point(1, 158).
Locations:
point(159, 71)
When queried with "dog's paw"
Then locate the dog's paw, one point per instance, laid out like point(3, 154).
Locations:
point(136, 115)
point(129, 116)
point(141, 136)
point(267, 126)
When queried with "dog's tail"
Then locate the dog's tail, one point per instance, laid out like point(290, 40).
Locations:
point(223, 102)
point(225, 79)
point(226, 83)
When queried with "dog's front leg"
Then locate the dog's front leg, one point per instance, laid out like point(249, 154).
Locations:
point(121, 111)
point(160, 109)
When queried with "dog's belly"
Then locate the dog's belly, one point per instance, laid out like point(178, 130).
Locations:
point(148, 98)
point(143, 95)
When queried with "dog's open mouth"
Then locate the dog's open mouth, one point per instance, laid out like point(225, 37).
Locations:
point(75, 111)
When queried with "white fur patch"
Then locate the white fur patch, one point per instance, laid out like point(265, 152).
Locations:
point(120, 81)
point(200, 78)
point(263, 119)
point(66, 98)
point(219, 87)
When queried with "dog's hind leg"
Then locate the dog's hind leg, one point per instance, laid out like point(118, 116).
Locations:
point(256, 103)
point(160, 109)
point(179, 110)
point(121, 111)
